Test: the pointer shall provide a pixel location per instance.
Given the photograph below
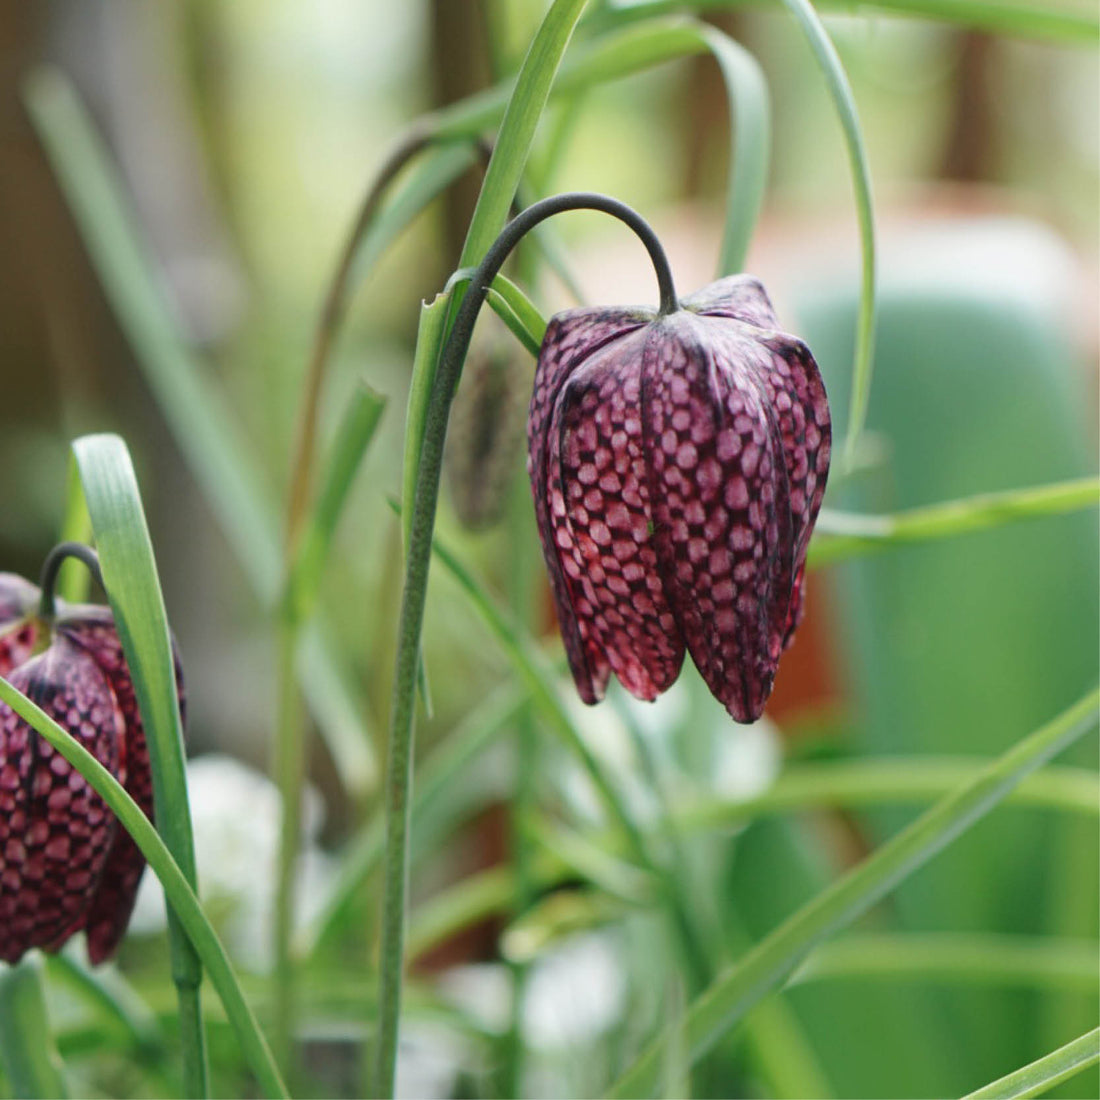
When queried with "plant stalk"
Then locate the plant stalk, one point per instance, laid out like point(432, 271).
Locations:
point(399, 764)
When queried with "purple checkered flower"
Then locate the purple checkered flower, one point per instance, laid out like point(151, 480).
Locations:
point(678, 464)
point(66, 865)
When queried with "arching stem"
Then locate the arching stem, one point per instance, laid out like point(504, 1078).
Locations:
point(52, 566)
point(399, 763)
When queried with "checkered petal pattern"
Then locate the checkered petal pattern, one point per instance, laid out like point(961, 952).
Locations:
point(678, 465)
point(65, 864)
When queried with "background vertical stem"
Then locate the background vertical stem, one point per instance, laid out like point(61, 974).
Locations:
point(288, 766)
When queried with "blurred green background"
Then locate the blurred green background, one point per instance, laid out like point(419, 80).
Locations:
point(246, 132)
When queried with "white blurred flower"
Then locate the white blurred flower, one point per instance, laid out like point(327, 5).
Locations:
point(748, 760)
point(575, 993)
point(236, 814)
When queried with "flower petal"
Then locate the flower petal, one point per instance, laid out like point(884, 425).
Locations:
point(18, 634)
point(570, 338)
point(606, 549)
point(738, 297)
point(55, 831)
point(719, 487)
point(796, 393)
point(93, 630)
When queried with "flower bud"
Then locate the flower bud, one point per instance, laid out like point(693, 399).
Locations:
point(678, 464)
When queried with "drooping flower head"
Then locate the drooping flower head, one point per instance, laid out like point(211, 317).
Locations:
point(66, 865)
point(678, 464)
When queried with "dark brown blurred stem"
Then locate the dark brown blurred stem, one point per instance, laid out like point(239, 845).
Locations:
point(970, 147)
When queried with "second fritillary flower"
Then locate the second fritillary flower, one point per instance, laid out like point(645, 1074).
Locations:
point(66, 865)
point(678, 464)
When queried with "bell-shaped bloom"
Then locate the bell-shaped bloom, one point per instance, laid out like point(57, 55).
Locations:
point(678, 464)
point(66, 865)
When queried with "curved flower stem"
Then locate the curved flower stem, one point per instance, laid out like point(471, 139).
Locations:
point(407, 147)
point(399, 764)
point(52, 566)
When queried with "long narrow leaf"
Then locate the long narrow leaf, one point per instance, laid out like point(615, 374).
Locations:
point(353, 437)
point(133, 588)
point(750, 145)
point(769, 964)
point(445, 765)
point(1066, 21)
point(836, 80)
point(517, 130)
point(1042, 1075)
point(28, 1052)
point(845, 535)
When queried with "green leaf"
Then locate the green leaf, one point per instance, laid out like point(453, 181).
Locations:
point(518, 312)
point(840, 90)
point(1065, 21)
point(74, 580)
point(905, 781)
point(951, 958)
point(28, 1053)
point(444, 766)
point(353, 437)
point(750, 145)
point(195, 411)
point(517, 130)
point(768, 965)
point(1038, 1077)
point(133, 588)
point(848, 534)
point(178, 891)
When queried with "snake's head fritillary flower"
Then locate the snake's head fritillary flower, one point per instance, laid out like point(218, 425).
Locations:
point(678, 464)
point(66, 865)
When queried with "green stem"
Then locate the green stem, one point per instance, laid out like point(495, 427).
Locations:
point(288, 765)
point(418, 561)
point(52, 566)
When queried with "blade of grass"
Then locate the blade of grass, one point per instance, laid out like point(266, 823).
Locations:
point(308, 554)
point(957, 958)
point(195, 411)
point(904, 781)
point(769, 964)
point(846, 534)
point(133, 588)
point(836, 80)
point(178, 891)
point(74, 580)
point(1060, 22)
point(1042, 1075)
point(750, 145)
point(517, 129)
point(111, 996)
point(353, 437)
point(443, 766)
point(28, 1053)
